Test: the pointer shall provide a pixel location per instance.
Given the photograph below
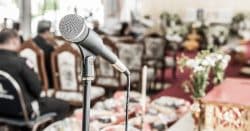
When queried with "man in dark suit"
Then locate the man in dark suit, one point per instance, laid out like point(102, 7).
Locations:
point(43, 30)
point(16, 27)
point(22, 70)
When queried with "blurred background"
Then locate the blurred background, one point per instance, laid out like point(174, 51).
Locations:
point(29, 12)
point(189, 63)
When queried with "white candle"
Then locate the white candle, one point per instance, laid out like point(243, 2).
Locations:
point(143, 94)
point(144, 88)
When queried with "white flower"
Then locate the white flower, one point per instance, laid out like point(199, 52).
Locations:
point(198, 60)
point(213, 57)
point(227, 58)
point(205, 62)
point(219, 56)
point(224, 62)
point(223, 65)
point(199, 68)
point(211, 60)
point(191, 63)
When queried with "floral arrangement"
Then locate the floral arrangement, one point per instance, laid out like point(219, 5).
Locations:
point(201, 66)
point(221, 63)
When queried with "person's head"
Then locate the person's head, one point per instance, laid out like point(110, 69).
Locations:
point(16, 26)
point(125, 28)
point(148, 17)
point(96, 25)
point(9, 39)
point(43, 28)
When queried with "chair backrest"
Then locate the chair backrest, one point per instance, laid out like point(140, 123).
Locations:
point(34, 54)
point(131, 55)
point(66, 68)
point(59, 40)
point(106, 75)
point(154, 48)
point(12, 103)
point(217, 31)
point(104, 69)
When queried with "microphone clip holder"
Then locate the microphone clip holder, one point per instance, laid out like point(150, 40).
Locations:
point(88, 64)
point(88, 69)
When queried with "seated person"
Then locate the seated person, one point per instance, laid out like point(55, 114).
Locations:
point(192, 42)
point(16, 27)
point(96, 28)
point(126, 31)
point(22, 71)
point(203, 41)
point(44, 35)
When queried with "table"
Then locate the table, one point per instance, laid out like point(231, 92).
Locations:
point(232, 90)
point(227, 106)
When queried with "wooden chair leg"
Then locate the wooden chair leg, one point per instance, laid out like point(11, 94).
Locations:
point(110, 92)
point(162, 77)
point(155, 80)
point(174, 72)
point(175, 65)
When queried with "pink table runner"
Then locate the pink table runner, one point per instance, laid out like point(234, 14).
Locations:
point(232, 90)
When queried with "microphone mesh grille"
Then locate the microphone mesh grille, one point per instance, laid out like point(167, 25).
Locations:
point(71, 26)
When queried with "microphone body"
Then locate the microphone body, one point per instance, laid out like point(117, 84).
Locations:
point(74, 29)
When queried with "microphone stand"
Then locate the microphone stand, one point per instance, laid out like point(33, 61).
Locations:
point(88, 76)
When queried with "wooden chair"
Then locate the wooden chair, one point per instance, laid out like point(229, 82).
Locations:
point(131, 55)
point(218, 34)
point(106, 75)
point(66, 68)
point(154, 57)
point(59, 40)
point(34, 54)
point(20, 115)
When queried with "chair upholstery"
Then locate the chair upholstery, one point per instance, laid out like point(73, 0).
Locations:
point(65, 61)
point(31, 55)
point(154, 48)
point(131, 55)
point(105, 68)
point(218, 34)
point(106, 75)
point(108, 82)
point(155, 52)
point(66, 71)
point(74, 97)
point(156, 59)
point(11, 96)
point(34, 54)
point(66, 67)
point(48, 93)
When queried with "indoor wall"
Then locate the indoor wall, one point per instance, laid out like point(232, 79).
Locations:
point(186, 8)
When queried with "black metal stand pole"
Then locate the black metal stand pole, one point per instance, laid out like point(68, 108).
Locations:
point(88, 76)
point(86, 105)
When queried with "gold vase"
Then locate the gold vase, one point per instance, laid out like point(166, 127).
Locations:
point(196, 114)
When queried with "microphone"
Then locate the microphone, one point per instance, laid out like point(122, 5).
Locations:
point(74, 29)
